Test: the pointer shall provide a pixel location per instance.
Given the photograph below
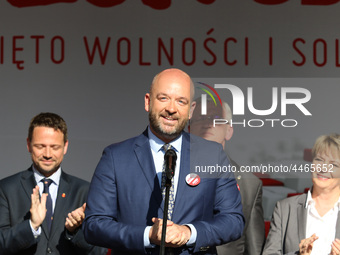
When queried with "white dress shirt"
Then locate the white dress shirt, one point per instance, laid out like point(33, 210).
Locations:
point(324, 227)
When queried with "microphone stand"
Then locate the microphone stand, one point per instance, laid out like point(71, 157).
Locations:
point(170, 163)
point(165, 214)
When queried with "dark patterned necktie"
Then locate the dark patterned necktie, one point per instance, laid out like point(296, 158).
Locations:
point(171, 192)
point(49, 213)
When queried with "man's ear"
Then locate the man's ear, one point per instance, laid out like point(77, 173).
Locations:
point(28, 145)
point(229, 132)
point(65, 147)
point(147, 102)
point(192, 108)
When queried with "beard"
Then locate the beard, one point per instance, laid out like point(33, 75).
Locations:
point(46, 172)
point(161, 132)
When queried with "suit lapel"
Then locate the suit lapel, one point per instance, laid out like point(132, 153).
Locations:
point(61, 202)
point(184, 170)
point(145, 160)
point(28, 182)
point(302, 217)
point(337, 228)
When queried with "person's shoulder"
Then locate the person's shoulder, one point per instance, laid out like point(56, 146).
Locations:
point(76, 185)
point(293, 200)
point(74, 180)
point(128, 143)
point(11, 177)
point(248, 177)
point(202, 143)
point(249, 183)
point(14, 178)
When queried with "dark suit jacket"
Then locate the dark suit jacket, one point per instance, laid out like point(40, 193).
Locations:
point(19, 237)
point(15, 202)
point(253, 237)
point(288, 226)
point(125, 194)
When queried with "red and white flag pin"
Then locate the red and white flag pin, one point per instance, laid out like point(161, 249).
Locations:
point(192, 179)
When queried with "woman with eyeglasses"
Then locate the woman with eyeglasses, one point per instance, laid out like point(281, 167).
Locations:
point(309, 224)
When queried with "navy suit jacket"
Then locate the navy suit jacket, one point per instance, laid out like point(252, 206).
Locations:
point(125, 194)
point(15, 203)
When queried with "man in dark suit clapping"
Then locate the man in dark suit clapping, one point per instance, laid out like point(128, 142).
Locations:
point(60, 231)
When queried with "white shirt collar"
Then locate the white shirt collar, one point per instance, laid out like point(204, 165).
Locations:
point(310, 201)
point(156, 143)
point(55, 177)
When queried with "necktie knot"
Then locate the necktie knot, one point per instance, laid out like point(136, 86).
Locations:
point(166, 147)
point(47, 183)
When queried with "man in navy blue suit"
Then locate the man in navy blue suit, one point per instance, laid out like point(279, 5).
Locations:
point(125, 205)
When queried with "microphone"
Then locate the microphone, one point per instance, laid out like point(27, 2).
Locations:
point(170, 158)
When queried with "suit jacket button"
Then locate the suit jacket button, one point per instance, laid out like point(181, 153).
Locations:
point(49, 250)
point(204, 248)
